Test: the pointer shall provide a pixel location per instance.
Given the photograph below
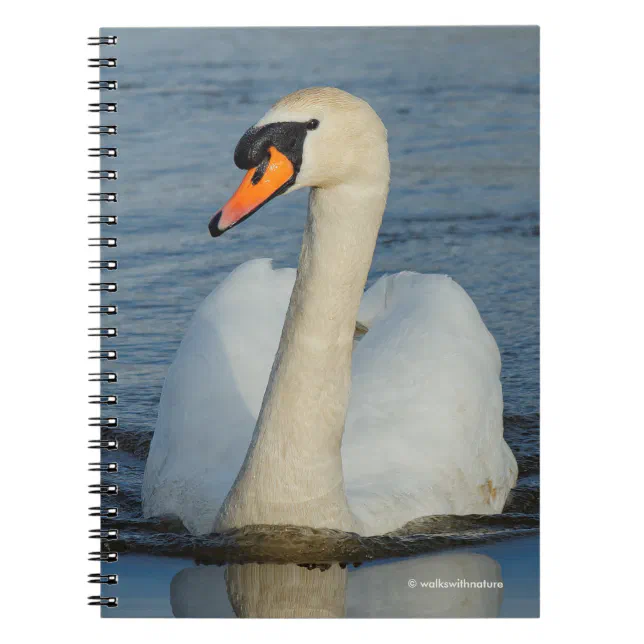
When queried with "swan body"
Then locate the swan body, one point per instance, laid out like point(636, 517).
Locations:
point(271, 413)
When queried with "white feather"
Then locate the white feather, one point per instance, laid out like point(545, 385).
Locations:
point(424, 429)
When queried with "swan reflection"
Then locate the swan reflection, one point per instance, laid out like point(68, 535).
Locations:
point(454, 584)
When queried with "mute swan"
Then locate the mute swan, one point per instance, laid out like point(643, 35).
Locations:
point(408, 423)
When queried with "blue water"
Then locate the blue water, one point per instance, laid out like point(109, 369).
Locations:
point(461, 106)
point(148, 587)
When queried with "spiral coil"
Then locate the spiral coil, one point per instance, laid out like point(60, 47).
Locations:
point(106, 489)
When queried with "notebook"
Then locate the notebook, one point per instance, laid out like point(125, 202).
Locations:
point(316, 295)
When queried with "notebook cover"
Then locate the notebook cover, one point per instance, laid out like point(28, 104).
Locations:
point(461, 111)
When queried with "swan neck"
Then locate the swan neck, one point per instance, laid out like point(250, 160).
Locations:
point(293, 469)
point(337, 250)
point(308, 390)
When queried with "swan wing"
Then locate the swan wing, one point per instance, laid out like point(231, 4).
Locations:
point(212, 394)
point(424, 429)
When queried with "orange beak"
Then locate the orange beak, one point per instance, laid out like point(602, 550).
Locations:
point(269, 179)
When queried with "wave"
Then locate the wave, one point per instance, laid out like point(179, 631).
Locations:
point(322, 547)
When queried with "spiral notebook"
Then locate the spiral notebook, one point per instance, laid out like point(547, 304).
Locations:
point(318, 322)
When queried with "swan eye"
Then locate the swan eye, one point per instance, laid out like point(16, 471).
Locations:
point(312, 124)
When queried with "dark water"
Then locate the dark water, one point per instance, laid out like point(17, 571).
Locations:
point(461, 106)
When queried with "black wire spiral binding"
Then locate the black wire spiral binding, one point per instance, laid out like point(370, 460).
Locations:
point(103, 423)
point(102, 62)
point(102, 107)
point(103, 129)
point(104, 467)
point(110, 220)
point(106, 489)
point(103, 196)
point(97, 600)
point(105, 265)
point(102, 40)
point(103, 152)
point(110, 513)
point(97, 578)
point(108, 85)
point(103, 241)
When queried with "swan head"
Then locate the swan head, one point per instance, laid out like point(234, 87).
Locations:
point(318, 137)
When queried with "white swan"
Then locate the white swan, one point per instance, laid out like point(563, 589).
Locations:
point(406, 424)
